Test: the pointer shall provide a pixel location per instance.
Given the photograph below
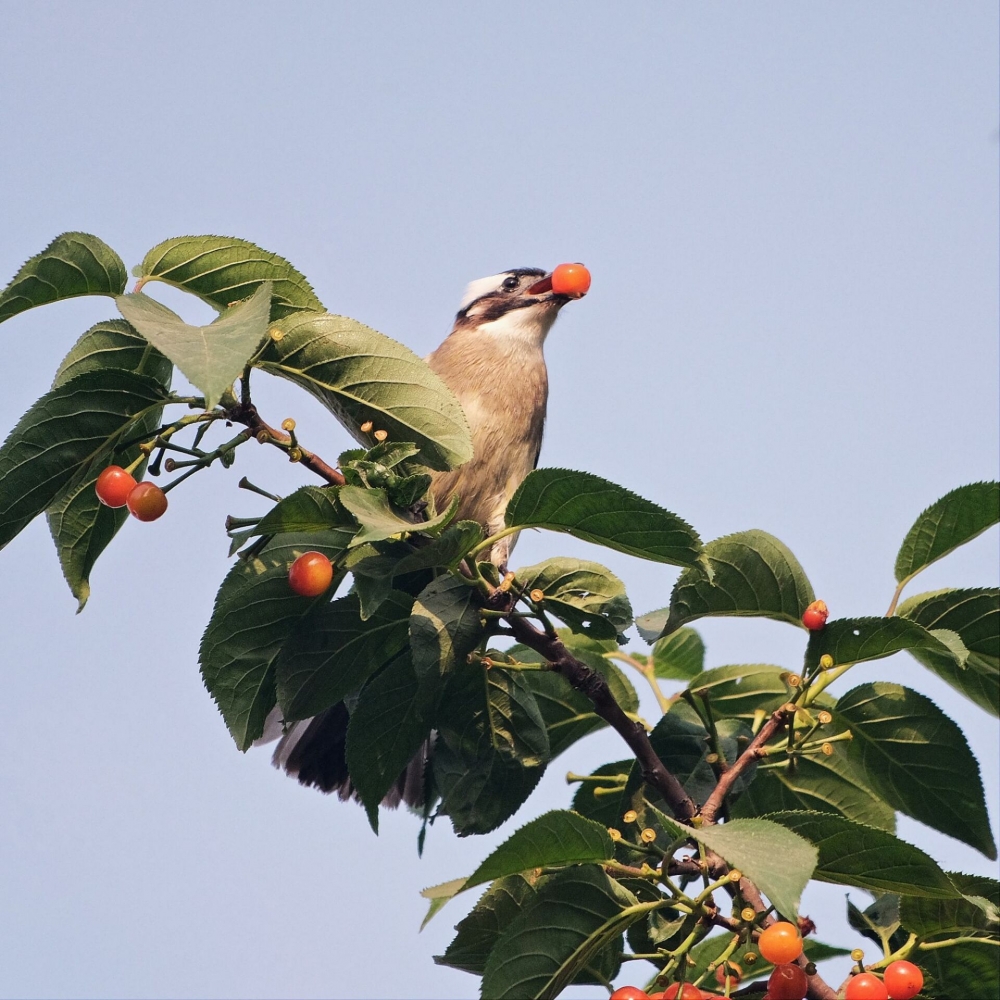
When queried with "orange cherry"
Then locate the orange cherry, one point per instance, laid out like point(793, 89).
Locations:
point(310, 574)
point(814, 617)
point(114, 485)
point(866, 987)
point(147, 502)
point(780, 943)
point(572, 280)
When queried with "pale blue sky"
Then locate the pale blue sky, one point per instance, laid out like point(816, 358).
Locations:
point(790, 212)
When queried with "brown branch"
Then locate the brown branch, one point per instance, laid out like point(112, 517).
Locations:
point(246, 413)
point(754, 752)
point(593, 685)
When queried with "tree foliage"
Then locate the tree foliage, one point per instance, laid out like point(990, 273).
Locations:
point(754, 780)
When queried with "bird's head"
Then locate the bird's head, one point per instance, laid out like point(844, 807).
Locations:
point(519, 304)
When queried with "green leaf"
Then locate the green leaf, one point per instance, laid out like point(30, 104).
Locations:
point(445, 626)
point(963, 972)
point(588, 597)
point(598, 511)
point(966, 916)
point(439, 895)
point(447, 550)
point(834, 784)
point(211, 357)
point(576, 914)
point(333, 652)
point(479, 932)
point(854, 640)
point(917, 759)
point(72, 264)
point(975, 616)
point(559, 837)
point(569, 715)
point(255, 614)
point(492, 747)
point(738, 691)
point(779, 861)
point(222, 270)
point(753, 575)
point(679, 656)
point(311, 508)
point(61, 437)
point(391, 721)
point(955, 519)
point(856, 854)
point(379, 521)
point(879, 922)
point(114, 343)
point(81, 525)
point(361, 375)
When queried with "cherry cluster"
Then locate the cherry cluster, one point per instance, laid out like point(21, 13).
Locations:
point(116, 487)
point(781, 945)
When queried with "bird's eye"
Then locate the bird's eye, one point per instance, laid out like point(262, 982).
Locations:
point(510, 283)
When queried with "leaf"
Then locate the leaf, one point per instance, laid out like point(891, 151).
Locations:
point(377, 519)
point(738, 691)
point(439, 895)
point(588, 597)
point(576, 914)
point(962, 972)
point(917, 759)
point(492, 747)
point(679, 656)
point(856, 854)
point(445, 626)
point(975, 616)
point(945, 918)
point(831, 784)
point(479, 932)
point(558, 837)
point(598, 511)
point(854, 640)
point(955, 519)
point(211, 357)
point(447, 550)
point(391, 721)
point(753, 575)
point(255, 613)
point(359, 375)
point(333, 652)
point(779, 861)
point(114, 343)
point(80, 524)
point(311, 508)
point(72, 264)
point(569, 715)
point(62, 435)
point(222, 270)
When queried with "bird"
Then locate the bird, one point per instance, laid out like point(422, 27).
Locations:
point(493, 362)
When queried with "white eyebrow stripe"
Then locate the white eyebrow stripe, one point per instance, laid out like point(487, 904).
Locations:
point(480, 287)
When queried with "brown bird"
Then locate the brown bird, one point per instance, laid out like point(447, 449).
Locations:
point(492, 361)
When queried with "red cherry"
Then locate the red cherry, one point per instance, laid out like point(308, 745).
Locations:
point(114, 485)
point(147, 502)
point(572, 280)
point(866, 987)
point(814, 617)
point(787, 982)
point(310, 575)
point(682, 991)
point(629, 993)
point(780, 943)
point(903, 980)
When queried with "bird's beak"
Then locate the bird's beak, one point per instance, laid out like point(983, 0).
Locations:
point(541, 286)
